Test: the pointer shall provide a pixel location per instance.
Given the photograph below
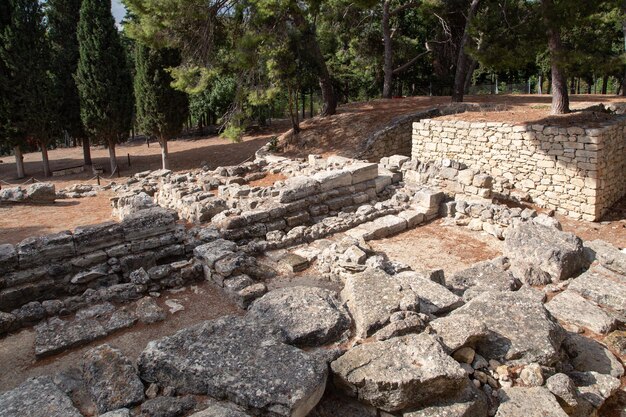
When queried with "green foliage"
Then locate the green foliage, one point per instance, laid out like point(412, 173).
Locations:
point(63, 17)
point(28, 109)
point(103, 77)
point(160, 109)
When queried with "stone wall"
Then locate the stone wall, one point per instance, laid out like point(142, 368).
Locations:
point(580, 172)
point(305, 200)
point(395, 138)
point(70, 264)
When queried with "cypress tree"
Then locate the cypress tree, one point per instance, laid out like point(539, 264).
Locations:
point(103, 77)
point(25, 54)
point(161, 110)
point(63, 17)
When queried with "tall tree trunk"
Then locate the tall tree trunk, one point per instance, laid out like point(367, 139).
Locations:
point(165, 157)
point(539, 85)
point(112, 158)
point(45, 160)
point(572, 85)
point(560, 99)
point(326, 85)
point(469, 75)
point(463, 59)
point(605, 84)
point(302, 93)
point(295, 123)
point(19, 161)
point(87, 154)
point(388, 54)
point(624, 32)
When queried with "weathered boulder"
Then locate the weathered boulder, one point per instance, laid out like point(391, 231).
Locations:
point(399, 373)
point(607, 255)
point(308, 316)
point(594, 388)
point(37, 397)
point(469, 402)
point(213, 251)
point(603, 287)
point(521, 330)
point(41, 192)
point(558, 253)
point(402, 323)
point(528, 402)
point(372, 296)
point(56, 335)
point(168, 406)
point(484, 276)
point(239, 359)
point(459, 330)
point(561, 386)
point(434, 298)
point(571, 307)
point(221, 410)
point(588, 355)
point(112, 380)
point(148, 311)
point(340, 406)
point(6, 321)
point(122, 412)
point(8, 258)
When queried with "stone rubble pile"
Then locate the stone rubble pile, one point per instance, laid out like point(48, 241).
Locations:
point(39, 192)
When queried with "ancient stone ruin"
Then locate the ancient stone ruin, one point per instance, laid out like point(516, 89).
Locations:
point(537, 331)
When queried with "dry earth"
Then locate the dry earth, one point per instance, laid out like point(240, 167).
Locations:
point(204, 302)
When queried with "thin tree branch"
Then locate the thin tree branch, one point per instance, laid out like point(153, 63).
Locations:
point(409, 63)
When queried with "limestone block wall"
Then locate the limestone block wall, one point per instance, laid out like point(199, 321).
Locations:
point(306, 200)
point(579, 172)
point(69, 264)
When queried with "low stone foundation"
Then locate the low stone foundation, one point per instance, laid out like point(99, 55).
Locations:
point(578, 172)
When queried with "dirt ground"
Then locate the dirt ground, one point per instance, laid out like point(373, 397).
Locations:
point(436, 246)
point(17, 355)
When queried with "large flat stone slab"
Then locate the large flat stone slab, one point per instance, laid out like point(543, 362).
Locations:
point(308, 316)
point(571, 307)
point(469, 402)
point(481, 277)
point(603, 287)
point(56, 335)
point(37, 397)
point(521, 330)
point(459, 331)
point(239, 360)
point(607, 255)
point(588, 355)
point(399, 373)
point(528, 402)
point(112, 380)
point(372, 297)
point(434, 298)
point(557, 253)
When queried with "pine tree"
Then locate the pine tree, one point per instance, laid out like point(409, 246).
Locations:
point(103, 77)
point(25, 54)
point(161, 110)
point(63, 17)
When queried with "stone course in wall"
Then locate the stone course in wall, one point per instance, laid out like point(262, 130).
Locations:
point(395, 137)
point(62, 272)
point(580, 172)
